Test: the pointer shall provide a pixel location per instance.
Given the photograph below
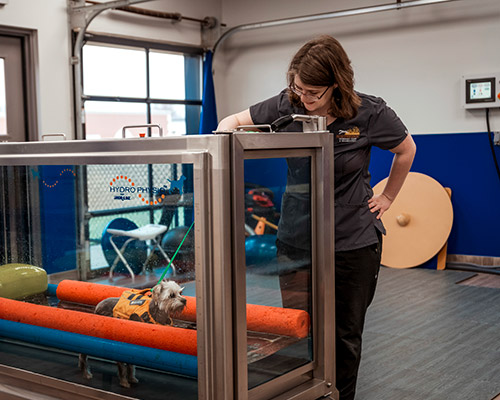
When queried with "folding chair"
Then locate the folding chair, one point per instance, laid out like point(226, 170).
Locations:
point(151, 232)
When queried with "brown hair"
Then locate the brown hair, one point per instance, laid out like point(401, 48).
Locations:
point(324, 62)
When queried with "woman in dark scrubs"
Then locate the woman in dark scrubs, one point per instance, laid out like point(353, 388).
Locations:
point(321, 82)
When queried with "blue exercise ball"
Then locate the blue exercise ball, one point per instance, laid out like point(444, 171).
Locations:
point(260, 250)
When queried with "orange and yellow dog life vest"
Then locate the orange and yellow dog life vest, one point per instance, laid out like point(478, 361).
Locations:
point(134, 302)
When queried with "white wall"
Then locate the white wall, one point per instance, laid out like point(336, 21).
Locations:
point(50, 19)
point(413, 58)
point(185, 32)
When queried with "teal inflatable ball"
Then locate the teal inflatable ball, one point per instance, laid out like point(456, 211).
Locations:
point(136, 252)
point(260, 250)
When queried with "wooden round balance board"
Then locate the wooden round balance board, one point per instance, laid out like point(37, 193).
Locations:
point(418, 223)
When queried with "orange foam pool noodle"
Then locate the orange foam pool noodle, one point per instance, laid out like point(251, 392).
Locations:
point(86, 293)
point(156, 336)
point(280, 321)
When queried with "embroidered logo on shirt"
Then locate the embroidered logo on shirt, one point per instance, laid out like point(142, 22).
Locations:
point(350, 135)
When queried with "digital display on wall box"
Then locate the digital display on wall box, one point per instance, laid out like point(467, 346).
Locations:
point(480, 90)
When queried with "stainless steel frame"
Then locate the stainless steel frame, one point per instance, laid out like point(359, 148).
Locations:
point(219, 252)
point(317, 378)
point(153, 151)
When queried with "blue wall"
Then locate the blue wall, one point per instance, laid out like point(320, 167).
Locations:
point(464, 163)
point(58, 217)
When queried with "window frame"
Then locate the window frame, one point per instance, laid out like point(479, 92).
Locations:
point(29, 39)
point(147, 46)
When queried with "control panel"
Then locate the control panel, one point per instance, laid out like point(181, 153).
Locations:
point(481, 91)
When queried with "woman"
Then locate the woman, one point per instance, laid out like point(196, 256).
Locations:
point(321, 82)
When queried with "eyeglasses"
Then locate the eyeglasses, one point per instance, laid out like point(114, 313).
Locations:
point(308, 96)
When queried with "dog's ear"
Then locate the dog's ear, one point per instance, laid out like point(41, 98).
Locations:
point(182, 288)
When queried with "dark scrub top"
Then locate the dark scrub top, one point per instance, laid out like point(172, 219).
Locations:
point(376, 124)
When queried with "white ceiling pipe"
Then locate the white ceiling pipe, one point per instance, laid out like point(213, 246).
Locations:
point(327, 15)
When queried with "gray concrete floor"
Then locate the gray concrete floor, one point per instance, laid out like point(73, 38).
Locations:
point(429, 338)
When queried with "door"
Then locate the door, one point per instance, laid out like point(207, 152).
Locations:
point(12, 90)
point(18, 123)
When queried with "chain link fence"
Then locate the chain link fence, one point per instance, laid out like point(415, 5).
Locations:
point(126, 191)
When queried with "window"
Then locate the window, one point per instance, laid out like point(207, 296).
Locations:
point(135, 83)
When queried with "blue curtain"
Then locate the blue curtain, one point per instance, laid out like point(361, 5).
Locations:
point(208, 118)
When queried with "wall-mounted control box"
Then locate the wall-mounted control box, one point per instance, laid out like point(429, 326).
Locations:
point(481, 91)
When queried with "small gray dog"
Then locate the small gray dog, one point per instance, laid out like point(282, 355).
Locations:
point(165, 302)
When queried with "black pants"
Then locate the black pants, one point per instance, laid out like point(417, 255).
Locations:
point(356, 273)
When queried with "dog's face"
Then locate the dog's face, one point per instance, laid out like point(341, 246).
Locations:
point(168, 297)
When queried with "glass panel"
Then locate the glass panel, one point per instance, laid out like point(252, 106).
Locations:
point(121, 198)
point(176, 119)
point(167, 78)
point(278, 265)
point(106, 69)
point(105, 120)
point(3, 102)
